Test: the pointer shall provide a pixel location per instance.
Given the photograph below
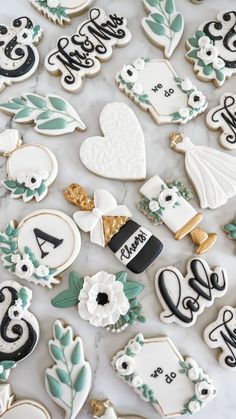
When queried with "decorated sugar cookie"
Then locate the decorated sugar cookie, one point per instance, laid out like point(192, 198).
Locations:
point(168, 204)
point(159, 374)
point(103, 409)
point(212, 172)
point(80, 55)
point(31, 168)
point(222, 334)
point(196, 1)
point(19, 327)
point(111, 225)
point(120, 154)
point(51, 114)
point(40, 247)
point(164, 25)
point(223, 118)
point(154, 86)
point(104, 299)
point(68, 382)
point(211, 49)
point(60, 11)
point(20, 409)
point(230, 229)
point(185, 298)
point(18, 53)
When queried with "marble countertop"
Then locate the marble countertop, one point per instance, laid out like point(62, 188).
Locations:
point(28, 378)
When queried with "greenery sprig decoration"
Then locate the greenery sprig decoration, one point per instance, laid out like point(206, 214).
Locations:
point(58, 14)
point(230, 229)
point(19, 190)
point(51, 114)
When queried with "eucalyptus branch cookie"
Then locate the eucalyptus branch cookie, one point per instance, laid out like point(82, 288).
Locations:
point(159, 374)
point(104, 300)
point(51, 114)
point(40, 247)
point(155, 87)
point(103, 409)
point(110, 225)
point(18, 53)
point(68, 381)
point(31, 168)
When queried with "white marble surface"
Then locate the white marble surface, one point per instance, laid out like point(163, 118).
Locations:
point(28, 378)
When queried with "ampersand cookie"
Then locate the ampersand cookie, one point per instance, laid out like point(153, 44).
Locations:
point(40, 247)
point(164, 25)
point(51, 114)
point(18, 54)
point(211, 49)
point(61, 11)
point(168, 204)
point(80, 55)
point(68, 381)
point(155, 87)
point(185, 298)
point(104, 299)
point(19, 327)
point(120, 154)
point(103, 409)
point(159, 374)
point(31, 168)
point(223, 118)
point(111, 225)
point(212, 172)
point(20, 409)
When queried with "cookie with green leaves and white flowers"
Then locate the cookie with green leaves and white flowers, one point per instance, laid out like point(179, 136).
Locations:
point(19, 327)
point(104, 299)
point(159, 374)
point(155, 87)
point(210, 49)
point(40, 247)
point(68, 381)
point(31, 168)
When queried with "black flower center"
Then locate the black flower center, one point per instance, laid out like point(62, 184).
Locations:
point(102, 298)
point(124, 365)
point(24, 35)
point(33, 180)
point(204, 392)
point(24, 268)
point(16, 314)
point(168, 198)
point(196, 98)
point(209, 53)
point(130, 72)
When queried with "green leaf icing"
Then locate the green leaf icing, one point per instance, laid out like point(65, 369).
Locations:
point(69, 297)
point(156, 27)
point(54, 386)
point(132, 289)
point(230, 229)
point(57, 14)
point(63, 376)
point(80, 380)
point(76, 354)
point(177, 23)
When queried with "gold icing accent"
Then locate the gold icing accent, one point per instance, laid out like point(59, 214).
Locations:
point(188, 227)
point(112, 225)
point(99, 407)
point(175, 138)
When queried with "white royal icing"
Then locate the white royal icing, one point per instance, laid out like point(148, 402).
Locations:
point(9, 140)
point(120, 154)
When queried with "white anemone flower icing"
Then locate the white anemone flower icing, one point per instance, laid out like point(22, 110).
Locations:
point(42, 271)
point(184, 112)
point(102, 300)
point(168, 198)
point(204, 41)
point(186, 85)
point(34, 180)
point(53, 3)
point(137, 89)
point(25, 37)
point(129, 74)
point(194, 406)
point(196, 99)
point(125, 365)
point(218, 63)
point(139, 64)
point(208, 54)
point(24, 268)
point(153, 206)
point(204, 391)
point(16, 311)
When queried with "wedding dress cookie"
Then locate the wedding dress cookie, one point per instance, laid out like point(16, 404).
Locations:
point(185, 298)
point(40, 247)
point(68, 382)
point(80, 55)
point(223, 118)
point(211, 49)
point(164, 25)
point(120, 154)
point(105, 410)
point(212, 172)
point(159, 374)
point(60, 11)
point(104, 300)
point(18, 54)
point(31, 168)
point(222, 334)
point(110, 225)
point(168, 204)
point(154, 86)
point(20, 409)
point(51, 114)
point(19, 327)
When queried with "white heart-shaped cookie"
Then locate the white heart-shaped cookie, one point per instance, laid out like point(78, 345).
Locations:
point(120, 153)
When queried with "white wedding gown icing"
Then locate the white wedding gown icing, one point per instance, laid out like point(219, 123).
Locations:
point(212, 172)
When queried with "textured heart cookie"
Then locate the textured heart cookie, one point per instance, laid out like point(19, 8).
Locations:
point(120, 153)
